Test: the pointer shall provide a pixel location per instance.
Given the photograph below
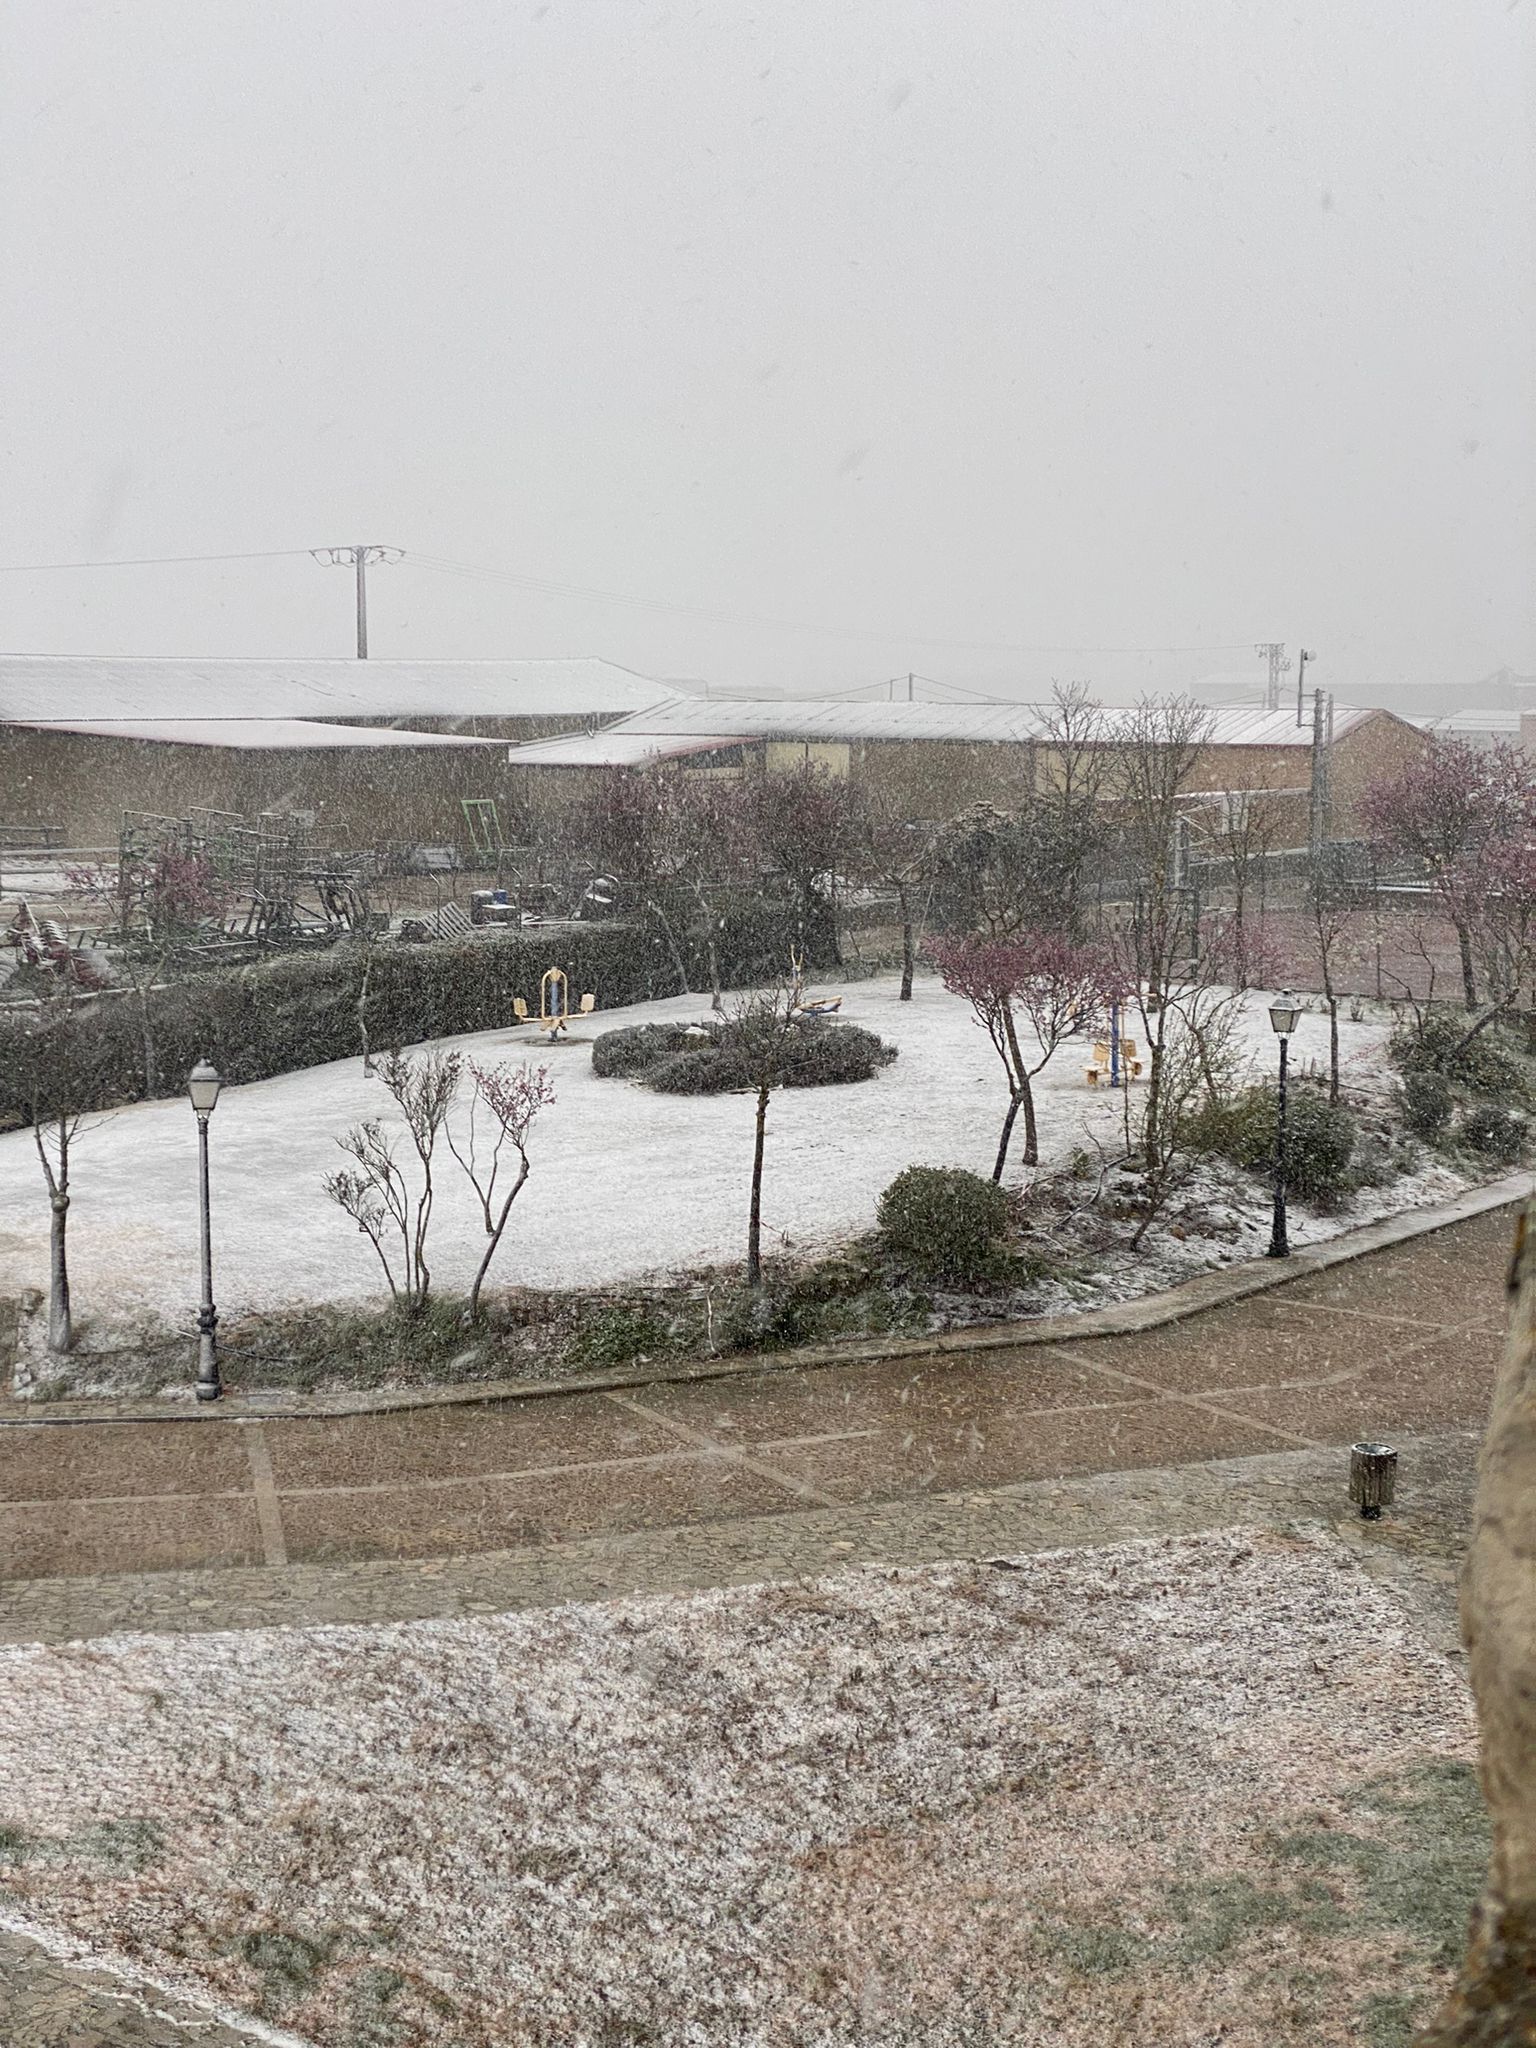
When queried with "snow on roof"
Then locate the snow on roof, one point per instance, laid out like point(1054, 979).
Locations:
point(258, 735)
point(1237, 725)
point(614, 747)
point(96, 687)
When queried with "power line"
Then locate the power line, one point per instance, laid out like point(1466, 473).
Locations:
point(149, 561)
point(549, 587)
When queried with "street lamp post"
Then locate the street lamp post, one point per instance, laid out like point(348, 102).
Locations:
point(203, 1088)
point(1283, 1013)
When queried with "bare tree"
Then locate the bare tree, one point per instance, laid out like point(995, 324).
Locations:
point(1331, 913)
point(511, 1097)
point(803, 821)
point(762, 1026)
point(60, 1085)
point(890, 852)
point(1159, 743)
point(381, 1196)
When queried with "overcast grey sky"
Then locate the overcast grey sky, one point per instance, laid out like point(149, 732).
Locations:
point(914, 324)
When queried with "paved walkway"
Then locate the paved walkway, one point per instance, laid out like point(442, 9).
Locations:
point(1403, 1340)
point(1239, 1414)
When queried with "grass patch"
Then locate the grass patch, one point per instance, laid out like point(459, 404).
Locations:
point(287, 1964)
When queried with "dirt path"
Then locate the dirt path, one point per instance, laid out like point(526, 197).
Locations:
point(1399, 1341)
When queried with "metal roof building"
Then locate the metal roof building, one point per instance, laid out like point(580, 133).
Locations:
point(112, 689)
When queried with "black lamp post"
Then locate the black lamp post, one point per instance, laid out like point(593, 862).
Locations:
point(203, 1088)
point(1283, 1013)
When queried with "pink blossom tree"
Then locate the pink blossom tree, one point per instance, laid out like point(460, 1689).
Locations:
point(1050, 984)
point(506, 1099)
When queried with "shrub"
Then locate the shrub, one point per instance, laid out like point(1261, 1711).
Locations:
point(943, 1222)
point(1319, 1139)
point(818, 1055)
point(629, 1051)
point(824, 1054)
point(703, 1070)
point(1434, 1046)
point(1427, 1102)
point(1496, 1133)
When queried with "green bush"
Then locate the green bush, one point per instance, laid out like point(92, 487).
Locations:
point(1319, 1139)
point(623, 1054)
point(1496, 1133)
point(703, 1070)
point(1483, 1064)
point(300, 1009)
point(943, 1222)
point(676, 1061)
point(1427, 1102)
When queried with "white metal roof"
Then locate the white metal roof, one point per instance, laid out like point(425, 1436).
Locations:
point(99, 687)
point(259, 735)
point(614, 747)
point(1243, 725)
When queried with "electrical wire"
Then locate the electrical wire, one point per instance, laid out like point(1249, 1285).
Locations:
point(149, 561)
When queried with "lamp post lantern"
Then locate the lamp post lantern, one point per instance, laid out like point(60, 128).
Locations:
point(203, 1090)
point(1283, 1014)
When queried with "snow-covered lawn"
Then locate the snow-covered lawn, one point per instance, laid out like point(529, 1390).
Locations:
point(625, 1181)
point(1162, 1794)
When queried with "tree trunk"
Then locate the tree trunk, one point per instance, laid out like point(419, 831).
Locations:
point(906, 945)
point(1494, 2002)
point(61, 1333)
point(1333, 1047)
point(667, 933)
point(362, 1013)
point(1468, 978)
point(1031, 1135)
point(1002, 1143)
point(495, 1232)
point(755, 1212)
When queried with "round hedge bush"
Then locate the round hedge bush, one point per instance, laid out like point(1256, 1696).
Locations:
point(1496, 1133)
point(1319, 1139)
point(943, 1222)
point(702, 1070)
point(627, 1052)
point(705, 1059)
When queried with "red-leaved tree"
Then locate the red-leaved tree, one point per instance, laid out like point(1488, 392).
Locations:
point(1046, 983)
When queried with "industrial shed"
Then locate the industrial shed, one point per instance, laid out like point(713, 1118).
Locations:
point(936, 758)
point(375, 752)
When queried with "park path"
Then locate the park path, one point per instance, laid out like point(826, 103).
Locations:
point(1400, 1340)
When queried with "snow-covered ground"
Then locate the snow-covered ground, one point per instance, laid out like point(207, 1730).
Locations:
point(625, 1182)
point(936, 1806)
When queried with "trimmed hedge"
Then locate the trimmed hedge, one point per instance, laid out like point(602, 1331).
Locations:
point(943, 1222)
point(300, 1010)
point(675, 1060)
point(1319, 1139)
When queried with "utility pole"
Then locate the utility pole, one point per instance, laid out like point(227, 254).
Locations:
point(357, 558)
point(911, 679)
point(1274, 653)
point(1304, 655)
point(1319, 783)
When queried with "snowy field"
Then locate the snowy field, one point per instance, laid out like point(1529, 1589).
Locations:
point(625, 1182)
point(1043, 1803)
